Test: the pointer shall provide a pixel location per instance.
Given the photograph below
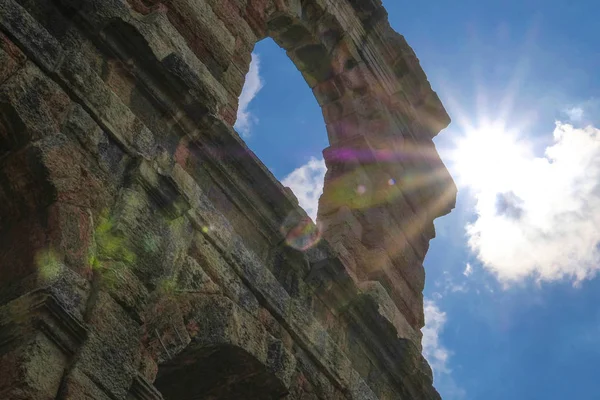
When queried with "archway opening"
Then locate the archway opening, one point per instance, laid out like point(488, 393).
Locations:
point(217, 372)
point(281, 121)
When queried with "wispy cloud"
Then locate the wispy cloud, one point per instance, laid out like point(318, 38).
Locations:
point(307, 184)
point(575, 114)
point(585, 112)
point(468, 270)
point(253, 85)
point(546, 223)
point(435, 353)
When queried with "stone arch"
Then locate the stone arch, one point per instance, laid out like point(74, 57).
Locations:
point(230, 356)
point(218, 372)
point(385, 183)
point(326, 57)
point(374, 114)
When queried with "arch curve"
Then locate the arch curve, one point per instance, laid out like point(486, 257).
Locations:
point(230, 356)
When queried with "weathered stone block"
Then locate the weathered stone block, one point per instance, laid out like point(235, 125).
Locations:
point(220, 271)
point(389, 310)
point(230, 12)
point(165, 330)
point(32, 371)
point(37, 101)
point(327, 91)
point(11, 58)
point(78, 386)
point(40, 337)
point(206, 34)
point(29, 34)
point(111, 354)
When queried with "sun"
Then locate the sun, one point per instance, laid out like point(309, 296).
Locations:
point(488, 158)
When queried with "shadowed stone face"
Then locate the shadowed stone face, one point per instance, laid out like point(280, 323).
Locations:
point(145, 253)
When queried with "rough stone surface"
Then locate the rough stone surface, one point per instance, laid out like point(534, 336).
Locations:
point(146, 253)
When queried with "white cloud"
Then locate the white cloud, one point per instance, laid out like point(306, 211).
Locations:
point(307, 184)
point(583, 113)
point(252, 86)
point(468, 270)
point(435, 353)
point(544, 221)
point(575, 114)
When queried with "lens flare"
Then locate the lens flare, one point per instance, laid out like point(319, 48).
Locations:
point(373, 185)
point(301, 233)
point(48, 264)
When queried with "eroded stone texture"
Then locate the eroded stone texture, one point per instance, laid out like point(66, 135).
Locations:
point(146, 253)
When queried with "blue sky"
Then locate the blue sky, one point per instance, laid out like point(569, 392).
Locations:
point(511, 299)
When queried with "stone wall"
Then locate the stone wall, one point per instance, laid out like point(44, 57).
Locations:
point(146, 253)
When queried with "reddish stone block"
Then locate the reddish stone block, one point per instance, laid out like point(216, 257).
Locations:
point(71, 236)
point(328, 91)
point(344, 56)
point(257, 12)
point(344, 129)
point(230, 12)
point(11, 58)
point(119, 79)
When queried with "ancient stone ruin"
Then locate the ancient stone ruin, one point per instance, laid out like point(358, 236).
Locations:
point(146, 253)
